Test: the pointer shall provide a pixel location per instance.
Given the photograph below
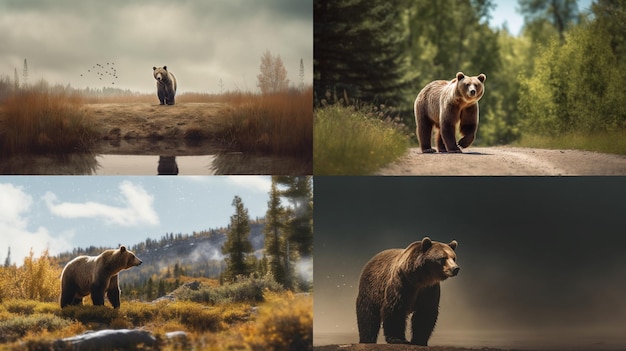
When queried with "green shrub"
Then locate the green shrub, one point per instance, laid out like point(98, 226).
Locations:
point(17, 327)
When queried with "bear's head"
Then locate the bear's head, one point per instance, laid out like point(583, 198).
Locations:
point(160, 73)
point(429, 261)
point(471, 89)
point(123, 258)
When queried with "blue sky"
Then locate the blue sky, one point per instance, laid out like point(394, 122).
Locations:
point(505, 12)
point(60, 213)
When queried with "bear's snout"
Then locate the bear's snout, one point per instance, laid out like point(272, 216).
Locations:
point(472, 92)
point(455, 271)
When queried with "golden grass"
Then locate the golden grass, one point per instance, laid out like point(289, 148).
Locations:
point(42, 121)
point(278, 124)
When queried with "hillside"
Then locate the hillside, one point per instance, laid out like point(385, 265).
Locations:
point(198, 254)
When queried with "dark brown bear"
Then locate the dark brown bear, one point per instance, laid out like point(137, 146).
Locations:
point(95, 275)
point(446, 105)
point(399, 282)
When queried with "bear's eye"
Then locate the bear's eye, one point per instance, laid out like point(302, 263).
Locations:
point(442, 261)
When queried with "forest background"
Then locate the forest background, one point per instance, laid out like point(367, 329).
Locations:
point(560, 77)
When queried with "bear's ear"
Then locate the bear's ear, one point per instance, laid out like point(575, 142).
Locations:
point(453, 244)
point(153, 68)
point(426, 244)
point(460, 76)
point(122, 248)
point(482, 77)
point(165, 68)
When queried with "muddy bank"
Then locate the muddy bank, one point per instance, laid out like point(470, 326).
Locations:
point(134, 121)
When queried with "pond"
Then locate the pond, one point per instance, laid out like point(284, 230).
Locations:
point(155, 158)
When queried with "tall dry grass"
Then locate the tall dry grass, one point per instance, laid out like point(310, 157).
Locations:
point(278, 124)
point(44, 121)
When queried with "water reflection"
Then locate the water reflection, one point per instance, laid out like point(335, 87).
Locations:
point(171, 159)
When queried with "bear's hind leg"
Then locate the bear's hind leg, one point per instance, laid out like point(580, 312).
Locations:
point(425, 315)
point(424, 134)
point(368, 320)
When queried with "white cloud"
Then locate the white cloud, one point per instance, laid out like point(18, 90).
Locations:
point(137, 207)
point(259, 183)
point(15, 206)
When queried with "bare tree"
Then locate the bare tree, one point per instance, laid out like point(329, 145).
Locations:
point(273, 76)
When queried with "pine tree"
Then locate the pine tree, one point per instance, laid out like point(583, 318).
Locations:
point(299, 193)
point(301, 75)
point(25, 74)
point(358, 47)
point(7, 262)
point(275, 236)
point(237, 244)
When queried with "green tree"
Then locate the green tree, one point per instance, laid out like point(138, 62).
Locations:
point(561, 14)
point(299, 193)
point(358, 48)
point(275, 236)
point(237, 244)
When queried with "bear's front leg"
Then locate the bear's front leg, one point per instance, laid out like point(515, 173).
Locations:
point(113, 292)
point(97, 294)
point(161, 95)
point(425, 315)
point(449, 118)
point(469, 125)
point(394, 313)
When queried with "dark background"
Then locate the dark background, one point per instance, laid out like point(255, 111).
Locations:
point(537, 255)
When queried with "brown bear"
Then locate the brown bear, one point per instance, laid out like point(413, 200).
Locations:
point(446, 105)
point(399, 282)
point(166, 85)
point(95, 275)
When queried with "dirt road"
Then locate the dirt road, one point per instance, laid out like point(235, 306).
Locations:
point(508, 161)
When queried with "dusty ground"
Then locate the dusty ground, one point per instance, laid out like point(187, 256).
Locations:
point(508, 161)
point(129, 121)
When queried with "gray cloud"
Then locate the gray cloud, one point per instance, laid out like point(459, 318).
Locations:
point(200, 41)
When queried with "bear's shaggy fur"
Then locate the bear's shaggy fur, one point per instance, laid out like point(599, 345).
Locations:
point(445, 105)
point(398, 282)
point(166, 85)
point(95, 275)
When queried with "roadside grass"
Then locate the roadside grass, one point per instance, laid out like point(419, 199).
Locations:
point(40, 121)
point(350, 142)
point(609, 142)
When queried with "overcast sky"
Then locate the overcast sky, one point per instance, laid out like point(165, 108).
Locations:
point(200, 41)
point(542, 259)
point(60, 213)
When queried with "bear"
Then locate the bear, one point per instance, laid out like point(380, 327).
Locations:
point(396, 283)
point(95, 275)
point(166, 85)
point(446, 105)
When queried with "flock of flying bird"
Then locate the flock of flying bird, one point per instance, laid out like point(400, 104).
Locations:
point(102, 71)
